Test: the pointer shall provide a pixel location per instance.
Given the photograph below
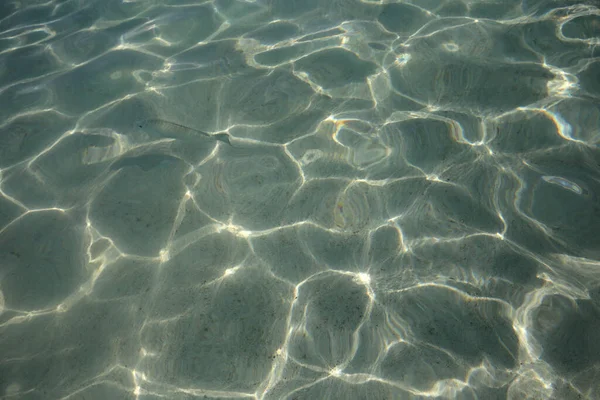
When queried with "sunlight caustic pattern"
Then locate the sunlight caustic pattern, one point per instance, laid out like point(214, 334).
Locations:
point(293, 199)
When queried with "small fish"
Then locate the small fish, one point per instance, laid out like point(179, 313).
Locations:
point(565, 183)
point(173, 130)
point(145, 162)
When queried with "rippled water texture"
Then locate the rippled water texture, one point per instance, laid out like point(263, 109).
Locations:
point(299, 199)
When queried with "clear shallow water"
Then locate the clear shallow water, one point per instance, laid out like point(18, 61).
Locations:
point(299, 199)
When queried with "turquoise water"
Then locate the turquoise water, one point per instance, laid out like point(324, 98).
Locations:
point(286, 199)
